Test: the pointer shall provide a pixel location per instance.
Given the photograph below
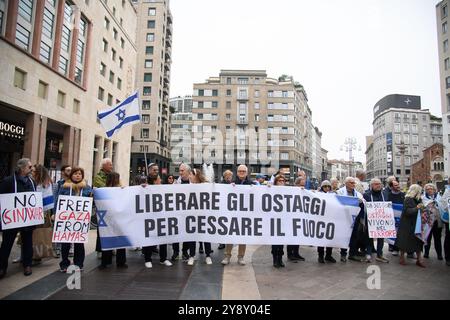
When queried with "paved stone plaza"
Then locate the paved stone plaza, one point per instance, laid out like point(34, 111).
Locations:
point(257, 280)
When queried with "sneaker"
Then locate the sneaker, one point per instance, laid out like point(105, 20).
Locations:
point(63, 269)
point(293, 259)
point(208, 260)
point(17, 260)
point(190, 261)
point(221, 246)
point(343, 259)
point(395, 253)
point(382, 259)
point(368, 258)
point(330, 259)
point(167, 263)
point(148, 265)
point(226, 261)
point(185, 257)
point(175, 257)
point(241, 262)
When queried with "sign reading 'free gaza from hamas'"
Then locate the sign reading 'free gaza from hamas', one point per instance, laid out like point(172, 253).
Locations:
point(216, 213)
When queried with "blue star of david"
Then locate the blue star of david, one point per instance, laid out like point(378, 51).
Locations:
point(101, 218)
point(120, 115)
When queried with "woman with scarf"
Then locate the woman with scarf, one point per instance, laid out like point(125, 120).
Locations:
point(406, 238)
point(75, 186)
point(431, 201)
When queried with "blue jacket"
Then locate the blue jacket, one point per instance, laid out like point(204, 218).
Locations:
point(87, 191)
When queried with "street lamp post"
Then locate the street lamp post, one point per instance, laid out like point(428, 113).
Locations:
point(350, 144)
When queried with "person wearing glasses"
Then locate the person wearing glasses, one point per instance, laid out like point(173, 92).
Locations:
point(20, 181)
point(325, 188)
point(241, 179)
point(349, 191)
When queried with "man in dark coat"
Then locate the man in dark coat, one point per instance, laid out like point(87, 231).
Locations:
point(20, 181)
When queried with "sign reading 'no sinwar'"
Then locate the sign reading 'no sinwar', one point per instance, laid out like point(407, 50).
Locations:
point(72, 220)
point(23, 209)
point(380, 219)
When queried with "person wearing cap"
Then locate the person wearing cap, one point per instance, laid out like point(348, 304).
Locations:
point(260, 180)
point(325, 187)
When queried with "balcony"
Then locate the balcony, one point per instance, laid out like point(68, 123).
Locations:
point(168, 53)
point(242, 122)
point(243, 97)
point(168, 41)
point(167, 77)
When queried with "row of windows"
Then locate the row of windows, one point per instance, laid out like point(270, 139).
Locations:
point(25, 32)
point(115, 33)
point(243, 93)
point(20, 81)
point(110, 99)
point(112, 76)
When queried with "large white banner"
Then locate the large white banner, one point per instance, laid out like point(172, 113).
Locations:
point(21, 209)
point(217, 213)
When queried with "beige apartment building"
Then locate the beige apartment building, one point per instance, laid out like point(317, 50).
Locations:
point(442, 11)
point(62, 62)
point(245, 117)
point(154, 56)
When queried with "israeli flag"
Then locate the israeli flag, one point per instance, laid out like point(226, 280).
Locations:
point(125, 113)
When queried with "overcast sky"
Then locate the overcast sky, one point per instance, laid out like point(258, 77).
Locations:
point(348, 54)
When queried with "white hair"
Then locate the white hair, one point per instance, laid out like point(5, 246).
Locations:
point(22, 163)
point(430, 185)
point(105, 161)
point(360, 172)
point(186, 166)
point(375, 180)
point(414, 192)
point(242, 166)
point(347, 180)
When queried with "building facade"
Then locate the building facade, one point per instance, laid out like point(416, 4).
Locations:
point(245, 117)
point(399, 121)
point(62, 62)
point(431, 167)
point(181, 128)
point(325, 175)
point(442, 11)
point(154, 59)
point(369, 158)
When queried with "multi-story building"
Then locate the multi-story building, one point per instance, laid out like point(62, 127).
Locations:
point(341, 169)
point(316, 155)
point(431, 167)
point(181, 132)
point(62, 62)
point(442, 10)
point(399, 119)
point(325, 175)
point(154, 43)
point(243, 116)
point(369, 158)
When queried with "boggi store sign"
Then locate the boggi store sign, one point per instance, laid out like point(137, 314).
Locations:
point(11, 129)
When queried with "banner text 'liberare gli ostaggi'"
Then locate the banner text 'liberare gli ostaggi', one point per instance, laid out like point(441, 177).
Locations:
point(216, 213)
point(23, 209)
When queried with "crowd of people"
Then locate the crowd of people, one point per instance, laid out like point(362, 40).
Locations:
point(35, 178)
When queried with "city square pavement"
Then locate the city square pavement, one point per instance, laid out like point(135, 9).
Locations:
point(257, 280)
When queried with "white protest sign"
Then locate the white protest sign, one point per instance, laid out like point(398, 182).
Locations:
point(72, 219)
point(381, 220)
point(21, 209)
